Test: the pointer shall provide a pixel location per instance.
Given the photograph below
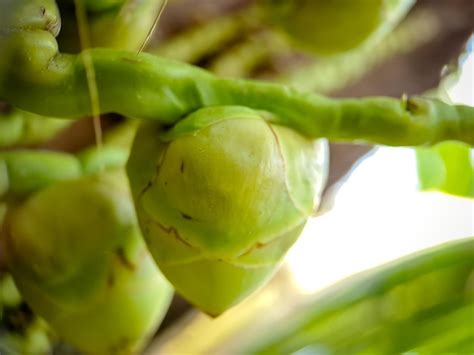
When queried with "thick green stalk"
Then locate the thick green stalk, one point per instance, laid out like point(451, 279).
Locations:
point(120, 27)
point(381, 120)
point(23, 172)
point(40, 79)
point(18, 127)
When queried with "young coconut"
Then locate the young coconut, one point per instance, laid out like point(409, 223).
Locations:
point(331, 27)
point(221, 197)
point(77, 256)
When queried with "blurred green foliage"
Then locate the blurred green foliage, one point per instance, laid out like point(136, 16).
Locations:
point(423, 304)
point(447, 167)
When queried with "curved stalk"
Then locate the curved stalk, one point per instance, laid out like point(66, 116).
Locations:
point(38, 78)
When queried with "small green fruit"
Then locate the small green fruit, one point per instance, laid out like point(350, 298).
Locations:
point(78, 259)
point(333, 26)
point(220, 199)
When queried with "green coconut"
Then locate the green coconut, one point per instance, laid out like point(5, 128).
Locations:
point(334, 26)
point(220, 199)
point(77, 256)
